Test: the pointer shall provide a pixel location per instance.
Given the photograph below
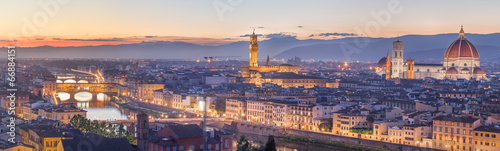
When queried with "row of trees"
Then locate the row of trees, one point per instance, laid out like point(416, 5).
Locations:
point(244, 145)
point(102, 128)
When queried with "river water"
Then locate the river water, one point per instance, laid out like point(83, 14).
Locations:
point(98, 108)
point(283, 145)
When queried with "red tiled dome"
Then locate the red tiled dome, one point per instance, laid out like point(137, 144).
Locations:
point(461, 48)
point(382, 62)
point(452, 70)
point(478, 70)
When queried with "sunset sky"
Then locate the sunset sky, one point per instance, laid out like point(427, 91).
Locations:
point(98, 22)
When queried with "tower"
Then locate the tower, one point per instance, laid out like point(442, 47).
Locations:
point(397, 59)
point(388, 67)
point(268, 62)
point(410, 72)
point(253, 48)
point(142, 130)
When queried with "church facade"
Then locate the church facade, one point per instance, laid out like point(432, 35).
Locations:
point(460, 61)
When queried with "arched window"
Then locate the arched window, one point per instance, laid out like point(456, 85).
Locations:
point(181, 148)
point(192, 147)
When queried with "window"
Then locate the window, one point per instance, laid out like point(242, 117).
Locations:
point(181, 148)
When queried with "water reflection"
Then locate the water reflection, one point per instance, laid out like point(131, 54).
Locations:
point(282, 145)
point(63, 96)
point(83, 96)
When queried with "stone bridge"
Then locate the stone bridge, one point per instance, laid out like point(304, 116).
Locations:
point(76, 79)
point(93, 88)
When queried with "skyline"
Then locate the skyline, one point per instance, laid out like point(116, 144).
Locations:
point(72, 23)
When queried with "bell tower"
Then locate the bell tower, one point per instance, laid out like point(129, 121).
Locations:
point(397, 59)
point(253, 48)
point(142, 130)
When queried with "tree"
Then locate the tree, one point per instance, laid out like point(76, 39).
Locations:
point(243, 144)
point(270, 145)
point(220, 105)
point(370, 119)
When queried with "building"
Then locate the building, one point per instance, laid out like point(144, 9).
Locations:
point(146, 90)
point(345, 120)
point(414, 134)
point(142, 130)
point(104, 144)
point(288, 79)
point(253, 70)
point(486, 138)
point(460, 61)
point(21, 97)
point(190, 137)
point(255, 111)
point(43, 137)
point(49, 86)
point(397, 59)
point(236, 108)
point(454, 132)
point(301, 117)
point(63, 114)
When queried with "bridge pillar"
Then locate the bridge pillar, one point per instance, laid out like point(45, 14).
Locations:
point(71, 96)
point(94, 96)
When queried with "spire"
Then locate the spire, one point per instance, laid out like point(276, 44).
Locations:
point(462, 33)
point(268, 62)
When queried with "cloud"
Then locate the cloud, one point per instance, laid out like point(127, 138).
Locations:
point(281, 35)
point(248, 35)
point(300, 26)
point(100, 39)
point(334, 34)
point(150, 36)
point(57, 39)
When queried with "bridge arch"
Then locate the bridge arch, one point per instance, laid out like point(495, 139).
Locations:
point(83, 81)
point(83, 96)
point(64, 96)
point(103, 97)
point(69, 81)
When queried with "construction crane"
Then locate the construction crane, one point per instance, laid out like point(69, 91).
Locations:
point(210, 58)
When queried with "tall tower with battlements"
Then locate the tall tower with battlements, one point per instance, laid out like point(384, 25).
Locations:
point(253, 48)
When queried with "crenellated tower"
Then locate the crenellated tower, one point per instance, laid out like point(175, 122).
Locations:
point(253, 48)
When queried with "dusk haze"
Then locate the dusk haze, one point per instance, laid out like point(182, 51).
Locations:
point(250, 75)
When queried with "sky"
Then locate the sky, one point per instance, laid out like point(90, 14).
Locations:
point(97, 22)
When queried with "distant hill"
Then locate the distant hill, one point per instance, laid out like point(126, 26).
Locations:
point(420, 47)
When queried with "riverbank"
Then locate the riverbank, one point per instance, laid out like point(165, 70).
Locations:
point(325, 143)
point(134, 109)
point(260, 129)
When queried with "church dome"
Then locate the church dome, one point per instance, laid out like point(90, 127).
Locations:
point(478, 70)
point(382, 62)
point(461, 48)
point(452, 70)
